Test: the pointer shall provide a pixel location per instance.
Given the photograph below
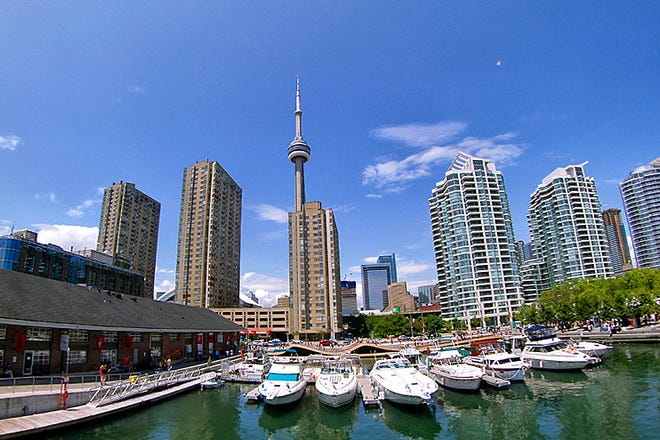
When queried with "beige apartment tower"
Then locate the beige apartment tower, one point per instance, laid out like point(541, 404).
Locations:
point(209, 246)
point(128, 230)
point(314, 273)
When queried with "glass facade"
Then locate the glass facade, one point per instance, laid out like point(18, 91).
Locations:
point(375, 279)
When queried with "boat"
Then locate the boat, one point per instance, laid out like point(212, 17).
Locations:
point(449, 369)
point(336, 384)
point(284, 383)
point(493, 360)
point(211, 380)
point(312, 367)
point(544, 351)
point(399, 382)
point(254, 366)
point(414, 356)
point(589, 348)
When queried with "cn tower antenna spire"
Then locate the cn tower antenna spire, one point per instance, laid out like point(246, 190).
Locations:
point(298, 111)
point(298, 153)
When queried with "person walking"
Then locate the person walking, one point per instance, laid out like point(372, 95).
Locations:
point(103, 373)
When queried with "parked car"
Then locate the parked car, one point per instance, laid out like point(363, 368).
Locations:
point(325, 342)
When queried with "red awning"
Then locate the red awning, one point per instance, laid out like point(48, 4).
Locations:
point(257, 331)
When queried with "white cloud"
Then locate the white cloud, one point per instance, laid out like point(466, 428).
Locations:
point(50, 196)
point(391, 175)
point(266, 288)
point(406, 268)
point(370, 260)
point(5, 227)
point(163, 270)
point(271, 213)
point(9, 142)
point(137, 90)
point(418, 134)
point(67, 236)
point(81, 209)
point(374, 196)
point(163, 286)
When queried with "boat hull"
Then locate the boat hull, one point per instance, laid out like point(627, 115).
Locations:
point(456, 383)
point(337, 400)
point(558, 365)
point(283, 395)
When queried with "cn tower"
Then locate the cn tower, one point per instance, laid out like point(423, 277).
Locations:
point(299, 154)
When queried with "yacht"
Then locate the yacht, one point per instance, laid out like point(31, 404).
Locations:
point(336, 384)
point(544, 351)
point(449, 369)
point(414, 356)
point(494, 360)
point(284, 383)
point(312, 367)
point(400, 382)
point(593, 349)
point(253, 367)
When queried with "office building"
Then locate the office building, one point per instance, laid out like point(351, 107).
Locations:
point(428, 294)
point(209, 246)
point(375, 279)
point(399, 300)
point(641, 199)
point(349, 305)
point(128, 230)
point(617, 241)
point(475, 249)
point(566, 227)
point(391, 260)
point(314, 272)
point(20, 252)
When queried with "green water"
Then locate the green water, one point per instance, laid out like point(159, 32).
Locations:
point(619, 399)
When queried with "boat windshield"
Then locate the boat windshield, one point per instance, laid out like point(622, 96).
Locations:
point(291, 377)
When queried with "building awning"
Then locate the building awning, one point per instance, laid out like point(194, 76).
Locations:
point(257, 331)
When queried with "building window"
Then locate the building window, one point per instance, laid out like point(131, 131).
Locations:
point(156, 337)
point(41, 357)
point(77, 357)
point(174, 336)
point(78, 336)
point(137, 337)
point(110, 336)
point(2, 358)
point(38, 334)
point(109, 356)
point(3, 332)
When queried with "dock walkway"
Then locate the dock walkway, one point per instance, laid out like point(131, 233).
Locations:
point(367, 390)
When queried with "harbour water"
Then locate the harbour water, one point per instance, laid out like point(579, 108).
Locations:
point(619, 399)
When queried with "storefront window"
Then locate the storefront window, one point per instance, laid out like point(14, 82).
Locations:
point(39, 334)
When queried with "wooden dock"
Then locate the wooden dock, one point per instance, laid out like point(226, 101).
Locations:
point(367, 390)
point(495, 382)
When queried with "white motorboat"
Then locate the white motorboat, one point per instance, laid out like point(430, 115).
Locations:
point(414, 356)
point(312, 367)
point(284, 383)
point(544, 351)
point(449, 369)
point(589, 348)
point(336, 384)
point(500, 364)
point(400, 382)
point(211, 380)
point(253, 367)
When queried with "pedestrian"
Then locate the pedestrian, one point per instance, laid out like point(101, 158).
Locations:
point(103, 373)
point(168, 362)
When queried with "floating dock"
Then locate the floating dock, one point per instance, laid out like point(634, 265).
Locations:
point(253, 396)
point(367, 390)
point(495, 382)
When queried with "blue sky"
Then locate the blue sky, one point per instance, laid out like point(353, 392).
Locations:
point(96, 92)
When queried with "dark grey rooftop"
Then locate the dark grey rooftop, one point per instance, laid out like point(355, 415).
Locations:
point(35, 301)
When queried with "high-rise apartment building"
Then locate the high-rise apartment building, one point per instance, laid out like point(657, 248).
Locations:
point(375, 279)
point(209, 246)
point(128, 230)
point(349, 304)
point(617, 241)
point(475, 249)
point(314, 272)
point(391, 260)
point(566, 227)
point(641, 199)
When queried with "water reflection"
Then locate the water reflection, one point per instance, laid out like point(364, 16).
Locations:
point(416, 422)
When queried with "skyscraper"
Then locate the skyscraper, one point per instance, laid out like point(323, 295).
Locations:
point(617, 241)
point(128, 230)
point(348, 298)
point(314, 272)
point(375, 279)
point(209, 246)
point(641, 198)
point(391, 260)
point(475, 250)
point(566, 227)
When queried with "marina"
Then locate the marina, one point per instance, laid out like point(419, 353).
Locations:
point(547, 404)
